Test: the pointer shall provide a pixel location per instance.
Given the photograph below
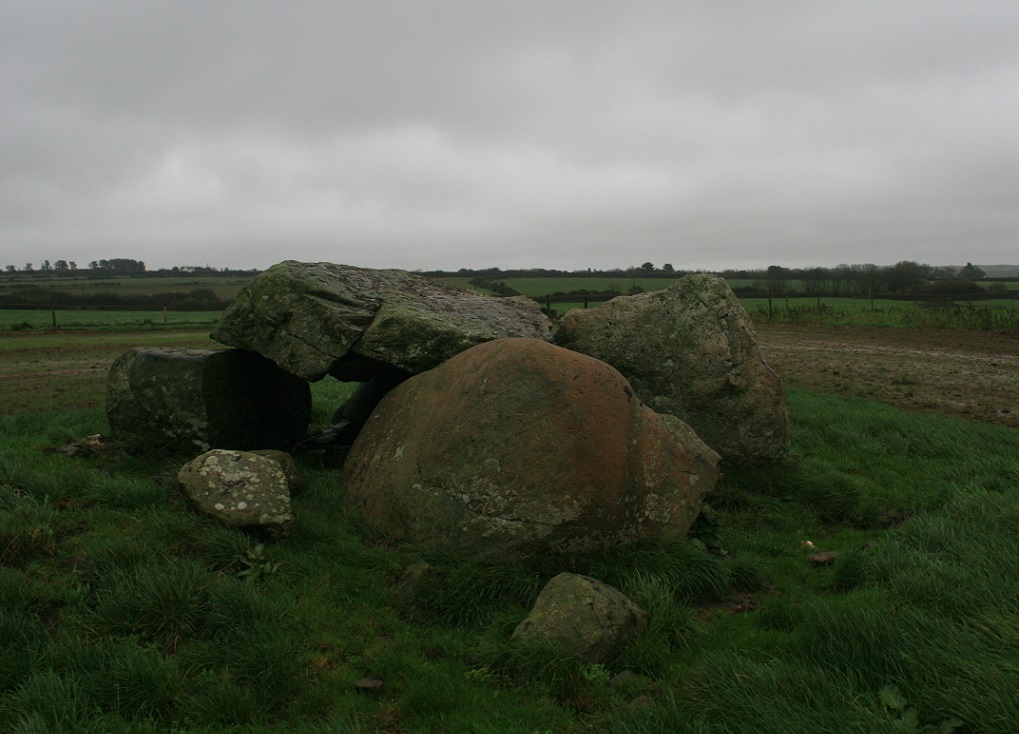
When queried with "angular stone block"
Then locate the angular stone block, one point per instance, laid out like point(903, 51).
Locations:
point(183, 400)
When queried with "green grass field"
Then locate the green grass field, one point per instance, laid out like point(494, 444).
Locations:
point(42, 319)
point(990, 315)
point(122, 611)
point(223, 287)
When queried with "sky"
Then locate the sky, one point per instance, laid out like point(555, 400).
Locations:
point(480, 133)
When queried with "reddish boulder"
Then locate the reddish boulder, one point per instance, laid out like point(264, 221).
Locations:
point(518, 447)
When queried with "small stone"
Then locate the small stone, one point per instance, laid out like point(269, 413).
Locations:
point(369, 685)
point(823, 558)
point(585, 617)
point(216, 481)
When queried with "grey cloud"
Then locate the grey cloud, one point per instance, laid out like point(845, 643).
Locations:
point(559, 134)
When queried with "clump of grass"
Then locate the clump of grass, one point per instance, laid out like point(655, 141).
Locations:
point(27, 528)
point(122, 676)
point(46, 701)
point(215, 700)
point(673, 627)
point(545, 667)
point(692, 574)
point(25, 638)
point(123, 492)
point(753, 694)
point(164, 602)
point(459, 592)
point(219, 547)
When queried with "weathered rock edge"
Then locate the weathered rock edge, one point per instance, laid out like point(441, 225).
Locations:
point(314, 319)
point(690, 351)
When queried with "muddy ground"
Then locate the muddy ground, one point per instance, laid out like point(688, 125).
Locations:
point(59, 370)
point(967, 374)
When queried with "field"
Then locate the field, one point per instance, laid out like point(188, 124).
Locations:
point(67, 369)
point(85, 285)
point(969, 374)
point(540, 287)
point(35, 320)
point(122, 611)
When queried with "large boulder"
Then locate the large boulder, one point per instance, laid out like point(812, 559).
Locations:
point(179, 400)
point(314, 319)
point(583, 616)
point(241, 489)
point(517, 447)
point(691, 351)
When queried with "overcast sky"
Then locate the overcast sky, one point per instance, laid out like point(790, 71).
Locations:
point(579, 134)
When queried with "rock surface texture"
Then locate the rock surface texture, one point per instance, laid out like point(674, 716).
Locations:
point(240, 489)
point(314, 319)
point(690, 351)
point(178, 400)
point(585, 617)
point(518, 447)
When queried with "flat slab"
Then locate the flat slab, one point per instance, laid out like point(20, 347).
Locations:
point(314, 319)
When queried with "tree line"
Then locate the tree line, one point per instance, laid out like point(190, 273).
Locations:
point(905, 277)
point(119, 266)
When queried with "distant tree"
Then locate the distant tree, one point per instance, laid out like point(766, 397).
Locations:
point(869, 279)
point(648, 267)
point(118, 265)
point(60, 265)
point(907, 275)
point(942, 272)
point(776, 278)
point(815, 279)
point(971, 272)
point(28, 268)
point(72, 265)
point(11, 269)
point(667, 267)
point(46, 266)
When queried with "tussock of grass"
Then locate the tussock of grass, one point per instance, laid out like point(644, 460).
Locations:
point(463, 592)
point(122, 611)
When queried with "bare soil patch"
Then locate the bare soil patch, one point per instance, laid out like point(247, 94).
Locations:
point(967, 374)
point(60, 370)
